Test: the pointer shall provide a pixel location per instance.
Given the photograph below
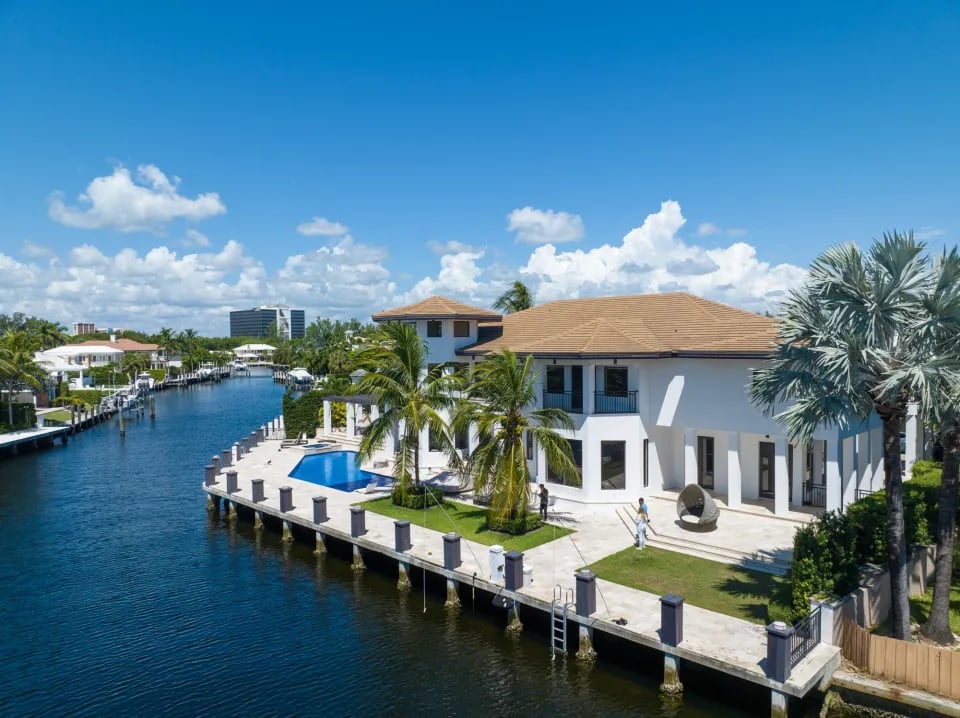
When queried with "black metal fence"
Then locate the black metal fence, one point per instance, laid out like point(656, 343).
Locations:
point(806, 635)
point(863, 493)
point(620, 403)
point(815, 495)
point(566, 400)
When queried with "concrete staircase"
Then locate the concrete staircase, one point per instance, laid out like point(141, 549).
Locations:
point(698, 545)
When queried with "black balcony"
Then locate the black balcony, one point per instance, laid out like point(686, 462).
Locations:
point(815, 495)
point(566, 400)
point(621, 402)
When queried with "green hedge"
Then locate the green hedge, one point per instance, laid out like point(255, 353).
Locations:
point(158, 374)
point(829, 553)
point(514, 526)
point(24, 416)
point(88, 396)
point(424, 497)
point(302, 415)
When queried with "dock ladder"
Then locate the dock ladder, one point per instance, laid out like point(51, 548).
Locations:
point(562, 601)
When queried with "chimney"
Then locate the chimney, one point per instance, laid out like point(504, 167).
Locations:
point(113, 337)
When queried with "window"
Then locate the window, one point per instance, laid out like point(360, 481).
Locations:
point(410, 324)
point(615, 380)
point(529, 445)
point(705, 461)
point(461, 328)
point(555, 380)
point(576, 446)
point(434, 441)
point(613, 465)
point(646, 463)
point(462, 440)
point(434, 328)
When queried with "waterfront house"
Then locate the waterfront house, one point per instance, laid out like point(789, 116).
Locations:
point(656, 386)
point(153, 352)
point(254, 354)
point(71, 359)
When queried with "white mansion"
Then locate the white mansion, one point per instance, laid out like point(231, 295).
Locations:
point(655, 385)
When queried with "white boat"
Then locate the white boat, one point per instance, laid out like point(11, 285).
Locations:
point(239, 366)
point(299, 376)
point(145, 382)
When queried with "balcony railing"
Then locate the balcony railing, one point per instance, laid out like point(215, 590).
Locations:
point(623, 402)
point(565, 400)
point(815, 495)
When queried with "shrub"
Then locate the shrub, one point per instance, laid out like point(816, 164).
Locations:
point(158, 374)
point(87, 396)
point(425, 496)
point(829, 553)
point(24, 415)
point(514, 526)
point(302, 415)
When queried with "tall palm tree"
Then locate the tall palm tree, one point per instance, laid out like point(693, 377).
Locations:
point(500, 396)
point(165, 338)
point(515, 299)
point(861, 336)
point(412, 397)
point(18, 370)
point(51, 334)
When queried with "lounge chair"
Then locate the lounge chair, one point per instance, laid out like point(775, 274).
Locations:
point(301, 439)
point(697, 509)
point(374, 487)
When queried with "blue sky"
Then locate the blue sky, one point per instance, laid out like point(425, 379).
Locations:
point(451, 148)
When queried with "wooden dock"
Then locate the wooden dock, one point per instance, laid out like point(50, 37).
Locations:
point(722, 643)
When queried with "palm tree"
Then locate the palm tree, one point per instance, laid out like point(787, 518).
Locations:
point(515, 299)
point(865, 335)
point(133, 363)
point(51, 334)
point(411, 396)
point(18, 370)
point(165, 338)
point(501, 394)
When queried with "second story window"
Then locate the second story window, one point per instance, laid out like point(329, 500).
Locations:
point(555, 380)
point(615, 380)
point(461, 328)
point(434, 328)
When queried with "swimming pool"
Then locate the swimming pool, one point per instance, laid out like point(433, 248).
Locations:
point(336, 470)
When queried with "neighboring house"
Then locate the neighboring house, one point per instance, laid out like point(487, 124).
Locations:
point(129, 346)
point(254, 353)
point(656, 386)
point(61, 361)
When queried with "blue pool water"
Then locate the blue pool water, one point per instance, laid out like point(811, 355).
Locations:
point(337, 470)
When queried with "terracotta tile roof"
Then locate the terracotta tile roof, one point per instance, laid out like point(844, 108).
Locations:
point(676, 323)
point(437, 308)
point(127, 345)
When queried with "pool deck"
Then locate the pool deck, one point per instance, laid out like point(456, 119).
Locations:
point(715, 640)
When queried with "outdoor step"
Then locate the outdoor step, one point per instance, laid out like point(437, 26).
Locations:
point(755, 561)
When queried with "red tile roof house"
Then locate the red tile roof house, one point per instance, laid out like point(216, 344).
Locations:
point(655, 385)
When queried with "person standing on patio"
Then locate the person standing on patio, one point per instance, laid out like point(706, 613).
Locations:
point(544, 501)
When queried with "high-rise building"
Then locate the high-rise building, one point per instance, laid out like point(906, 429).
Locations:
point(84, 328)
point(257, 322)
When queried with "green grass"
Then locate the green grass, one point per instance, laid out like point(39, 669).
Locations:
point(731, 590)
point(920, 607)
point(468, 521)
point(58, 415)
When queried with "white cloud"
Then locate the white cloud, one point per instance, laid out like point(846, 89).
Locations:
point(925, 234)
point(117, 202)
point(31, 250)
point(707, 229)
point(652, 258)
point(322, 227)
point(450, 247)
point(538, 226)
point(196, 239)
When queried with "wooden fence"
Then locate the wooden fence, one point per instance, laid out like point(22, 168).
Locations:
point(918, 665)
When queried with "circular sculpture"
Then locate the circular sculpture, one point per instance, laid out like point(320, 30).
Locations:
point(697, 509)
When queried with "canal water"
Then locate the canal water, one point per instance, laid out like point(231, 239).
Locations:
point(120, 596)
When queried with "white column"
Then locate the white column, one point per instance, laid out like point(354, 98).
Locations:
point(374, 413)
point(799, 473)
point(734, 476)
point(327, 416)
point(781, 476)
point(864, 464)
point(818, 459)
point(689, 456)
point(876, 457)
point(589, 387)
point(848, 471)
point(834, 488)
point(351, 420)
point(914, 438)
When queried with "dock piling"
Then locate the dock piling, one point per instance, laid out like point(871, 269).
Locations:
point(586, 598)
point(227, 458)
point(231, 481)
point(153, 408)
point(123, 431)
point(358, 528)
point(286, 499)
point(779, 636)
point(215, 460)
point(671, 634)
point(320, 546)
point(401, 543)
point(209, 472)
point(451, 560)
point(213, 503)
point(319, 509)
point(256, 490)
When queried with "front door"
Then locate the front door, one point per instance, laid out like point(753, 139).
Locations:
point(767, 474)
point(705, 461)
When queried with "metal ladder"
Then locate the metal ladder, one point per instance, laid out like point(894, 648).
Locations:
point(562, 600)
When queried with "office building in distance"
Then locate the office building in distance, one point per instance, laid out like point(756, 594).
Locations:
point(257, 322)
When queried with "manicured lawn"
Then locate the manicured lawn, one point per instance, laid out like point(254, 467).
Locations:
point(750, 595)
point(466, 520)
point(58, 415)
point(920, 607)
